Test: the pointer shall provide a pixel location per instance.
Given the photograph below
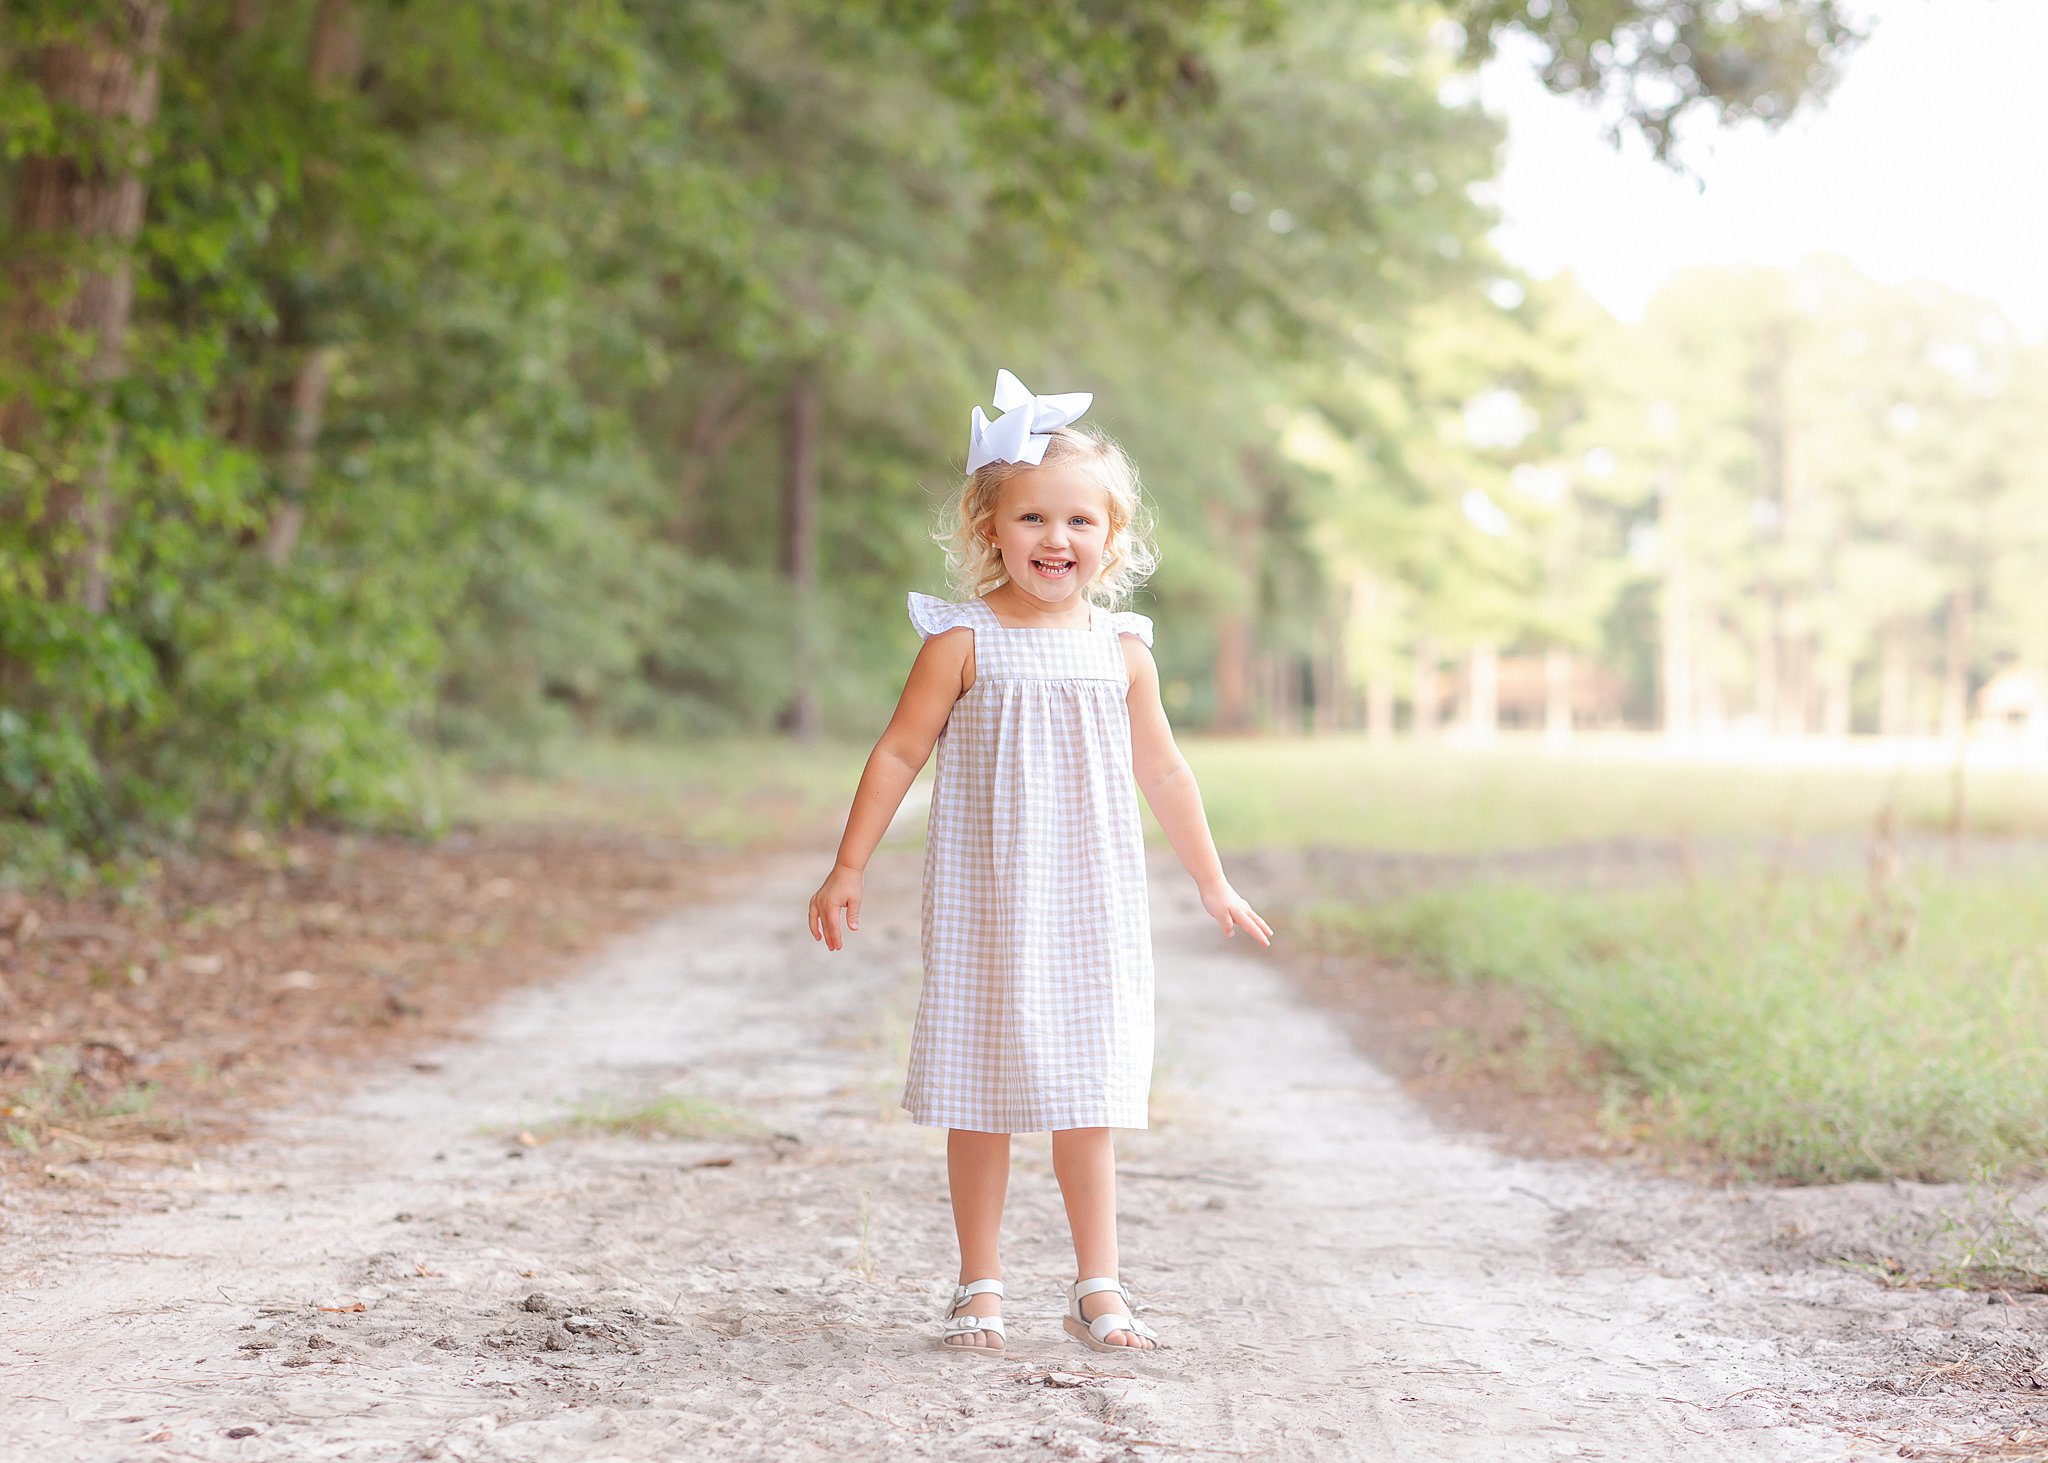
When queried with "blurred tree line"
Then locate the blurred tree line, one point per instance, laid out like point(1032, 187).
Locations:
point(1787, 502)
point(376, 374)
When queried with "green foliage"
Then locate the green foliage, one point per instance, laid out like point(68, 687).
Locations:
point(1649, 66)
point(453, 374)
point(57, 1092)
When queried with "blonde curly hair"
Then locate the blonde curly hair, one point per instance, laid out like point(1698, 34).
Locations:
point(1129, 556)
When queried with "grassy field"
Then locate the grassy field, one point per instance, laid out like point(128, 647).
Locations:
point(1344, 792)
point(726, 794)
point(1265, 792)
point(1805, 1029)
point(1284, 792)
point(1795, 1021)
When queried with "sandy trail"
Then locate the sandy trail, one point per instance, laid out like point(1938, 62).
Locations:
point(1339, 1277)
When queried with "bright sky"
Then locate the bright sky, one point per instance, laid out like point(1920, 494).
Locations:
point(1929, 161)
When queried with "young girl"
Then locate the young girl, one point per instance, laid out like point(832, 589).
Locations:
point(1036, 1013)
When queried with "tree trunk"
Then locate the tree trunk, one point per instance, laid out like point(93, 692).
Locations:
point(1482, 697)
point(727, 412)
point(1287, 672)
point(1369, 641)
point(1955, 668)
point(309, 398)
point(1782, 678)
point(334, 64)
point(1233, 672)
point(1894, 682)
point(1675, 657)
point(1277, 706)
point(1796, 703)
point(800, 545)
point(336, 60)
point(1557, 695)
point(1234, 623)
point(1426, 711)
point(1328, 673)
point(1379, 704)
point(1709, 699)
point(69, 211)
point(1767, 672)
point(1834, 698)
point(1369, 607)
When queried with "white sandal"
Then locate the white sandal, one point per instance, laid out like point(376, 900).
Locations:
point(959, 1325)
point(1093, 1334)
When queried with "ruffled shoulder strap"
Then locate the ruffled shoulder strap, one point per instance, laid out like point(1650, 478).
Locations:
point(1130, 622)
point(931, 614)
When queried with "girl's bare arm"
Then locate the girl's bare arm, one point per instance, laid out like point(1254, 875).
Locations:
point(905, 746)
point(1168, 783)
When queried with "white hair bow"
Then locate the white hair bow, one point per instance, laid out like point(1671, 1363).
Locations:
point(1017, 435)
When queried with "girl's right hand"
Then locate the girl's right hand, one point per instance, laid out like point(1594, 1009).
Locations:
point(835, 908)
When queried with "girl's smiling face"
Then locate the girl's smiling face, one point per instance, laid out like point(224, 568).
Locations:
point(1051, 526)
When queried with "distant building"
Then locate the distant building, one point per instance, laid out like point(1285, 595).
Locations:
point(1522, 693)
point(2013, 706)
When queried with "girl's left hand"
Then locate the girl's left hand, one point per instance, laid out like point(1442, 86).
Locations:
point(1228, 908)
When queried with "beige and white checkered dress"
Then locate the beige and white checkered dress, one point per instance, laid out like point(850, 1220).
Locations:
point(1036, 1012)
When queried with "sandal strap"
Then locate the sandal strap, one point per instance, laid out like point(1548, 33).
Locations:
point(967, 1291)
point(961, 1325)
point(1101, 1327)
point(1108, 1321)
point(1082, 1289)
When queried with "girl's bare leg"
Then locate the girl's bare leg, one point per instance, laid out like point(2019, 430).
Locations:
point(978, 1170)
point(1084, 1161)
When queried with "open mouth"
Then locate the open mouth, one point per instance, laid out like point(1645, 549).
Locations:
point(1053, 568)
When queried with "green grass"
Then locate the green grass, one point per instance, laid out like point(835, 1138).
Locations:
point(662, 1115)
point(1802, 1029)
point(730, 794)
point(1290, 792)
point(1989, 1242)
point(1282, 792)
point(56, 1099)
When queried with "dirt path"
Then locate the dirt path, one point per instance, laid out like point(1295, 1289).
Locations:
point(391, 1277)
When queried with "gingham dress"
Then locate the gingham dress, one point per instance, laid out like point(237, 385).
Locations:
point(1036, 1012)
